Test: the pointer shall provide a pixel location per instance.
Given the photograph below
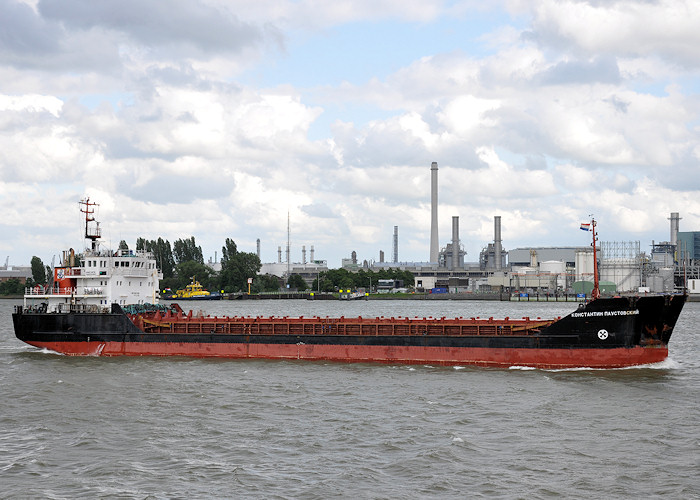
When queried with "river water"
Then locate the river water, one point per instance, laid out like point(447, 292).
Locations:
point(86, 427)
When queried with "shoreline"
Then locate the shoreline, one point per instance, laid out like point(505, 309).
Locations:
point(440, 297)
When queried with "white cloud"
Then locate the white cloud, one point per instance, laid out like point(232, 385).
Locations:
point(464, 114)
point(666, 28)
point(31, 103)
point(169, 128)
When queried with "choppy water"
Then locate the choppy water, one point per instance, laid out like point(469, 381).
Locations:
point(190, 428)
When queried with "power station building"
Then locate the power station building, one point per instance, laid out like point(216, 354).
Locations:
point(688, 247)
point(622, 266)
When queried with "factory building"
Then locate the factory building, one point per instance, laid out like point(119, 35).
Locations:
point(493, 257)
point(452, 255)
point(530, 256)
point(688, 247)
point(622, 266)
point(688, 260)
point(20, 273)
point(308, 270)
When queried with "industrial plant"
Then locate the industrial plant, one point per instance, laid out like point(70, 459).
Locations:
point(623, 265)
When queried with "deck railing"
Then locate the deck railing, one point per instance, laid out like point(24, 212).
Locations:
point(187, 324)
point(37, 291)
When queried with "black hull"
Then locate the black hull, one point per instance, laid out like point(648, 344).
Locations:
point(612, 324)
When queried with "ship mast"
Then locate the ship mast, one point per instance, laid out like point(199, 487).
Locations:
point(92, 234)
point(596, 289)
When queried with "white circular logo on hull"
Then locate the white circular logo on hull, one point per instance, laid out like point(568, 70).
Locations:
point(602, 334)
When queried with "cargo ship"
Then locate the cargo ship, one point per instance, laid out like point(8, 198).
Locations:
point(605, 332)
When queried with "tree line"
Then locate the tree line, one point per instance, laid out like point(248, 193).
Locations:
point(184, 259)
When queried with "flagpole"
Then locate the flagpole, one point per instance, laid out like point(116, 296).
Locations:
point(596, 289)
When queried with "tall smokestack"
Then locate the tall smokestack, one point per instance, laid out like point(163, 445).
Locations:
point(303, 254)
point(434, 244)
point(279, 255)
point(497, 241)
point(311, 253)
point(288, 233)
point(395, 248)
point(257, 244)
point(675, 224)
point(455, 242)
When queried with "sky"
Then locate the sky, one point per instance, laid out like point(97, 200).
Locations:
point(225, 119)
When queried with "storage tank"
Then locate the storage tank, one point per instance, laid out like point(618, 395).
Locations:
point(655, 283)
point(553, 267)
point(583, 260)
point(556, 268)
point(524, 277)
point(625, 273)
point(666, 274)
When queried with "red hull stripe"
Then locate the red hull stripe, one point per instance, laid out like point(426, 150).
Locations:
point(498, 357)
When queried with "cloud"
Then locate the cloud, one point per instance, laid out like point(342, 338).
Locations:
point(319, 210)
point(113, 38)
point(666, 29)
point(160, 111)
point(597, 70)
point(24, 32)
point(198, 29)
point(31, 103)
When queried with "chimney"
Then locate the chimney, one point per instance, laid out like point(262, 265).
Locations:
point(279, 255)
point(675, 224)
point(311, 253)
point(395, 248)
point(497, 250)
point(455, 242)
point(434, 244)
point(303, 254)
point(257, 244)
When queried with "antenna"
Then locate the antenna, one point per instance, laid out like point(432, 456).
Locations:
point(596, 289)
point(92, 234)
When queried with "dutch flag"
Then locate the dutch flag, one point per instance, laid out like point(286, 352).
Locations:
point(585, 226)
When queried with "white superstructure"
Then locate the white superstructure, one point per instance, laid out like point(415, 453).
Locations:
point(98, 278)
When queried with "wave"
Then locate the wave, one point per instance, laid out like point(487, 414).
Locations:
point(666, 364)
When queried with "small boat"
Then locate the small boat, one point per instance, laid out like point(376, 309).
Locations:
point(350, 295)
point(195, 291)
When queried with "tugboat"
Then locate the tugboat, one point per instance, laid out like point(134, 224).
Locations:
point(606, 332)
point(195, 291)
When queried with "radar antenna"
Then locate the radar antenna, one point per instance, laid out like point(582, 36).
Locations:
point(91, 233)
